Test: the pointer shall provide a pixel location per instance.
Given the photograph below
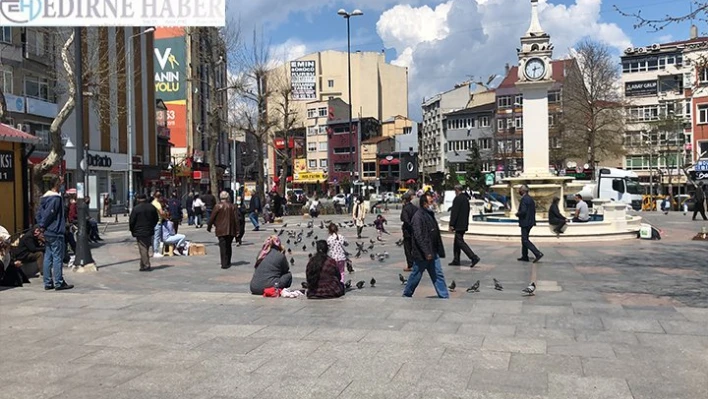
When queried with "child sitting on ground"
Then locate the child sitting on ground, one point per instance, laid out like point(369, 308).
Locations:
point(379, 224)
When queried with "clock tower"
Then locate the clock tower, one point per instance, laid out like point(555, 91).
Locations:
point(534, 81)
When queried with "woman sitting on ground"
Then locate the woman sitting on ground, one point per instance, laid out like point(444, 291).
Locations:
point(323, 277)
point(272, 268)
point(170, 237)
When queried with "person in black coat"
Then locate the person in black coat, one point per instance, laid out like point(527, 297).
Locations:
point(407, 217)
point(699, 207)
point(527, 219)
point(427, 250)
point(459, 223)
point(142, 225)
point(555, 217)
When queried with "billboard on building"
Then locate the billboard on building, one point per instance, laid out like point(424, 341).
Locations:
point(170, 80)
point(641, 88)
point(303, 78)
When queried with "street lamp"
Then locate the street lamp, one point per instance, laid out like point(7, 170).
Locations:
point(348, 16)
point(131, 104)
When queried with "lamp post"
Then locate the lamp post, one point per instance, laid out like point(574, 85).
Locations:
point(348, 16)
point(131, 104)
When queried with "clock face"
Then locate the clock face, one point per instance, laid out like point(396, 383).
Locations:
point(535, 69)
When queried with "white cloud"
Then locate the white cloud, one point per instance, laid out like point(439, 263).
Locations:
point(289, 50)
point(463, 38)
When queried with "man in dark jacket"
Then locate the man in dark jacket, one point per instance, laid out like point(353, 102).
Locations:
point(241, 213)
point(31, 248)
point(226, 222)
point(209, 203)
point(699, 205)
point(52, 221)
point(427, 250)
point(256, 208)
point(174, 207)
point(407, 217)
point(527, 219)
point(142, 225)
point(459, 223)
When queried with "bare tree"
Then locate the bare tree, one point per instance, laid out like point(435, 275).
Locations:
point(699, 12)
point(593, 107)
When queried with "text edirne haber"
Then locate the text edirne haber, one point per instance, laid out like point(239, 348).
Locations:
point(177, 9)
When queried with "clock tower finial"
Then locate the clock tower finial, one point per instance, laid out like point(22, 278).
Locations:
point(535, 28)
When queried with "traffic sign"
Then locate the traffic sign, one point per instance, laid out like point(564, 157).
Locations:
point(489, 179)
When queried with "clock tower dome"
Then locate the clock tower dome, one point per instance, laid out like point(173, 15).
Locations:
point(536, 51)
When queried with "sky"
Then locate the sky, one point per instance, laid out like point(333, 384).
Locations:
point(447, 42)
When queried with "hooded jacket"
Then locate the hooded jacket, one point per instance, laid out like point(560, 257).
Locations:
point(50, 215)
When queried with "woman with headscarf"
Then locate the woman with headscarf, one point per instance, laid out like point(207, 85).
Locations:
point(272, 268)
point(323, 277)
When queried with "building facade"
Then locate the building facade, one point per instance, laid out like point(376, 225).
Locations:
point(345, 149)
point(467, 127)
point(432, 137)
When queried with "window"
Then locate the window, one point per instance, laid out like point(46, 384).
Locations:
point(407, 130)
point(517, 144)
point(519, 122)
point(643, 113)
point(312, 130)
point(330, 83)
point(500, 124)
point(509, 123)
point(323, 163)
point(322, 146)
point(551, 120)
point(702, 111)
point(311, 147)
point(519, 99)
point(311, 163)
point(555, 142)
point(504, 101)
point(6, 81)
point(554, 97)
point(36, 88)
point(312, 113)
point(344, 150)
point(369, 169)
point(483, 121)
point(703, 75)
point(651, 63)
point(36, 42)
point(5, 34)
point(341, 166)
point(322, 111)
point(485, 144)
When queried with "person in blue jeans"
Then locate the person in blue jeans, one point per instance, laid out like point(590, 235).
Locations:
point(427, 249)
point(52, 222)
point(255, 209)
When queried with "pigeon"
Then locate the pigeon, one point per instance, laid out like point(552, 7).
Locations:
point(327, 221)
point(403, 279)
point(280, 233)
point(317, 238)
point(379, 239)
point(275, 231)
point(452, 286)
point(372, 241)
point(530, 289)
point(474, 287)
point(313, 244)
point(309, 225)
point(304, 248)
point(322, 225)
point(348, 285)
point(350, 268)
point(386, 255)
point(360, 284)
point(399, 243)
point(372, 256)
point(370, 247)
point(310, 233)
point(309, 255)
point(373, 282)
point(288, 241)
point(497, 285)
point(358, 254)
point(290, 251)
point(285, 225)
point(292, 261)
point(304, 284)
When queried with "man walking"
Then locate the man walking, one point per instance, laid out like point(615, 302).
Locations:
point(459, 223)
point(225, 220)
point(407, 218)
point(142, 223)
point(527, 219)
point(255, 208)
point(209, 203)
point(699, 206)
point(52, 222)
point(427, 250)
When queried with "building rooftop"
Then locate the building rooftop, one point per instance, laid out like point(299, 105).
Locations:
point(559, 67)
point(376, 140)
point(484, 108)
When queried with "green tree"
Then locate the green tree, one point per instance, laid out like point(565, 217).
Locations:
point(473, 167)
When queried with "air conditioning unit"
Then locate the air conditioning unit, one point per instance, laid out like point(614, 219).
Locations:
point(24, 127)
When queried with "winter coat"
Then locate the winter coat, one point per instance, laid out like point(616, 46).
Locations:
point(426, 236)
point(527, 212)
point(555, 217)
point(269, 271)
point(406, 217)
point(460, 213)
point(174, 207)
point(143, 220)
point(224, 218)
point(50, 215)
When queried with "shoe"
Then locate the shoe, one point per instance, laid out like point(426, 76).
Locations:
point(538, 258)
point(226, 267)
point(454, 263)
point(48, 287)
point(475, 261)
point(99, 239)
point(523, 259)
point(64, 286)
point(157, 255)
point(146, 269)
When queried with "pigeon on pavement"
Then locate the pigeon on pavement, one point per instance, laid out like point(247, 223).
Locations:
point(360, 284)
point(350, 268)
point(399, 242)
point(373, 282)
point(530, 289)
point(497, 285)
point(474, 287)
point(403, 279)
point(452, 286)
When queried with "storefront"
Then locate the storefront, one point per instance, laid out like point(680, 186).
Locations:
point(14, 212)
point(311, 182)
point(107, 174)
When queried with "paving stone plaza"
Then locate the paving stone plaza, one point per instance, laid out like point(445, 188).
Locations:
point(616, 320)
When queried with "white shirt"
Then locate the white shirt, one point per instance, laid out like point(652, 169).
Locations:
point(583, 211)
point(336, 247)
point(314, 205)
point(198, 203)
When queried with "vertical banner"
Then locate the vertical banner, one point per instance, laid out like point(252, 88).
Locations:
point(303, 78)
point(171, 80)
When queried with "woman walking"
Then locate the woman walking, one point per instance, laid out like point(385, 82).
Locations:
point(198, 207)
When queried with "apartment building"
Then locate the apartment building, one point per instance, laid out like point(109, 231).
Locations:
point(319, 114)
point(345, 148)
point(465, 127)
point(432, 137)
point(665, 88)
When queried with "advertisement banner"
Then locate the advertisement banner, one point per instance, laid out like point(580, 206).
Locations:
point(170, 80)
point(303, 78)
point(300, 165)
point(642, 88)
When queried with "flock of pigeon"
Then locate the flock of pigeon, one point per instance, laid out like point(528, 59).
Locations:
point(296, 237)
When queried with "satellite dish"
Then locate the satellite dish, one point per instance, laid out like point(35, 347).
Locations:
point(586, 166)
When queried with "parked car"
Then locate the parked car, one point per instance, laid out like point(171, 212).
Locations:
point(340, 199)
point(298, 195)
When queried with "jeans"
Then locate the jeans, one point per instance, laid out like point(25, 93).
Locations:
point(144, 249)
point(157, 237)
point(53, 257)
point(225, 250)
point(254, 219)
point(434, 268)
point(527, 245)
point(459, 246)
point(198, 219)
point(207, 214)
point(177, 240)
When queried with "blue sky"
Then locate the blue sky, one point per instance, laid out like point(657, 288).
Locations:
point(444, 42)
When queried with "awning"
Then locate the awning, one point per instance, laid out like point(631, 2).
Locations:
point(384, 162)
point(9, 133)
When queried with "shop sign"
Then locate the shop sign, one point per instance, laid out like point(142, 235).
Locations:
point(99, 161)
point(7, 166)
point(303, 78)
point(310, 177)
point(699, 176)
point(642, 88)
point(701, 166)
